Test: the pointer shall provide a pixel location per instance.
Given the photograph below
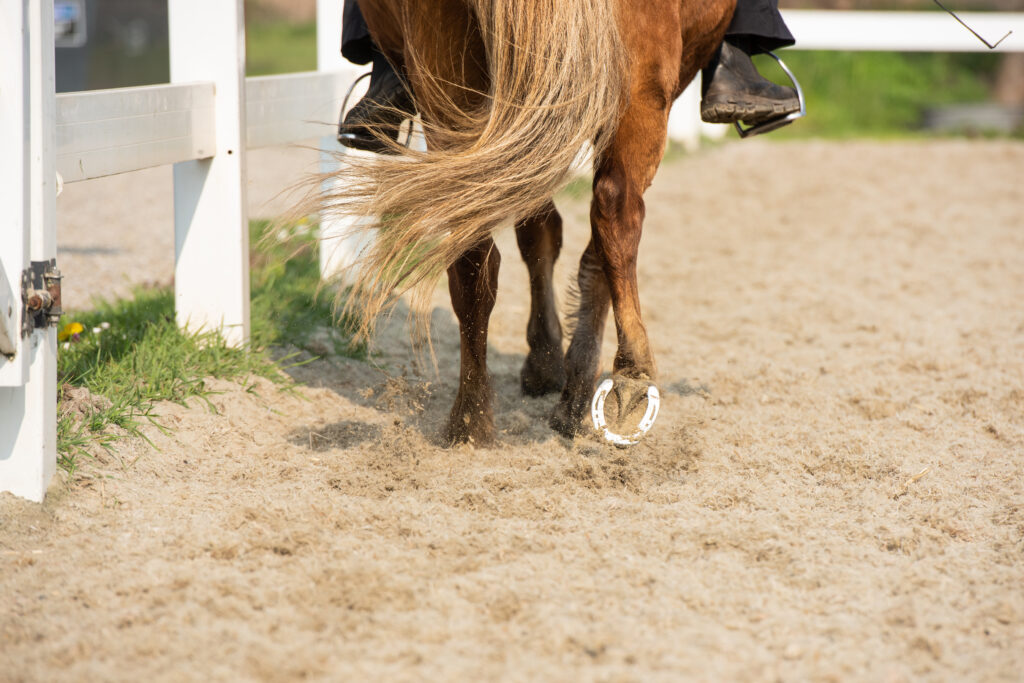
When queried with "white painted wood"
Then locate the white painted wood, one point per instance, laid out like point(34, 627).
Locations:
point(15, 217)
point(211, 274)
point(10, 303)
point(328, 36)
point(339, 246)
point(903, 31)
point(103, 132)
point(28, 423)
point(28, 414)
point(340, 243)
point(684, 124)
point(290, 108)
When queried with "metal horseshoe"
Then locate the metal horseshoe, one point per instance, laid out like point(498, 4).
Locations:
point(601, 424)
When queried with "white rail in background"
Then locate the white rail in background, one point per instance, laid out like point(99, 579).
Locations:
point(903, 31)
point(293, 107)
point(104, 132)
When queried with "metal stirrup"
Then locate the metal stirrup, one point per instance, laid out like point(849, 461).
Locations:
point(776, 123)
point(344, 110)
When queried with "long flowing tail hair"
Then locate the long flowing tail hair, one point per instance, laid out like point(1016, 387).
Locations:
point(557, 73)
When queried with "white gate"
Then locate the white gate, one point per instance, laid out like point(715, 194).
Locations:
point(28, 368)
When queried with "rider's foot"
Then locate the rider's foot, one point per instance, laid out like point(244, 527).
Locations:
point(386, 104)
point(735, 91)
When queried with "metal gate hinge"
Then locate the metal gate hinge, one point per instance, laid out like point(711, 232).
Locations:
point(40, 293)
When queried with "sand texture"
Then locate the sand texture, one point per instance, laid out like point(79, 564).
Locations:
point(834, 489)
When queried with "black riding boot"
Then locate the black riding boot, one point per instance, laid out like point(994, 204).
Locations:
point(386, 104)
point(733, 90)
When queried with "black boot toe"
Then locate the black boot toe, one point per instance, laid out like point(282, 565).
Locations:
point(735, 91)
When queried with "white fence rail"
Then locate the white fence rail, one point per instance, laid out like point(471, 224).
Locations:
point(203, 123)
point(903, 31)
point(284, 109)
point(105, 132)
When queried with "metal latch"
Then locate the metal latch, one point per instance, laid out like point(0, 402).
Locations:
point(40, 292)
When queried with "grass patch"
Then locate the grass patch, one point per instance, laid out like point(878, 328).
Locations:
point(879, 94)
point(287, 305)
point(579, 187)
point(130, 354)
point(279, 47)
point(141, 358)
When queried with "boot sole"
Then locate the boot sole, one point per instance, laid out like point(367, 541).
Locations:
point(750, 113)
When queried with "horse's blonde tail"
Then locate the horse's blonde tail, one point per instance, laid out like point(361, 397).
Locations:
point(557, 75)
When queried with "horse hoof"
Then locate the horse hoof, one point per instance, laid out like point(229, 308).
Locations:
point(569, 415)
point(475, 427)
point(628, 394)
point(542, 375)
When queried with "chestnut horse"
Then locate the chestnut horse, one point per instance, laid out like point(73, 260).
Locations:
point(509, 91)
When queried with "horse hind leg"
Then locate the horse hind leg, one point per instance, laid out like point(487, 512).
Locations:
point(540, 240)
point(617, 214)
point(582, 359)
point(473, 286)
point(609, 267)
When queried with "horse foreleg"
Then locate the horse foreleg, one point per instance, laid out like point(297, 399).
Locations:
point(540, 240)
point(473, 285)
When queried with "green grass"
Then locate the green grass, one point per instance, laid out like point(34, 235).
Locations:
point(111, 66)
point(132, 353)
point(279, 47)
point(285, 280)
point(879, 94)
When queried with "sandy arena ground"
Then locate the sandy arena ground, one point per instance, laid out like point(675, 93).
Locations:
point(834, 490)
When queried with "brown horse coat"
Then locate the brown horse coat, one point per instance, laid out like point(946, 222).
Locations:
point(509, 90)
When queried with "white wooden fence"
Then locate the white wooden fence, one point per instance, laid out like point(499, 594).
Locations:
point(203, 122)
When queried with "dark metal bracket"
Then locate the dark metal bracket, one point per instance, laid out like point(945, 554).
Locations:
point(989, 45)
point(40, 293)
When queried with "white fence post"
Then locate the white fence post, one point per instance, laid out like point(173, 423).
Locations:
point(28, 413)
point(336, 251)
point(684, 124)
point(328, 36)
point(211, 228)
point(15, 212)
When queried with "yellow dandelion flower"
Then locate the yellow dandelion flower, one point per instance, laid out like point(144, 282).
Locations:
point(70, 330)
